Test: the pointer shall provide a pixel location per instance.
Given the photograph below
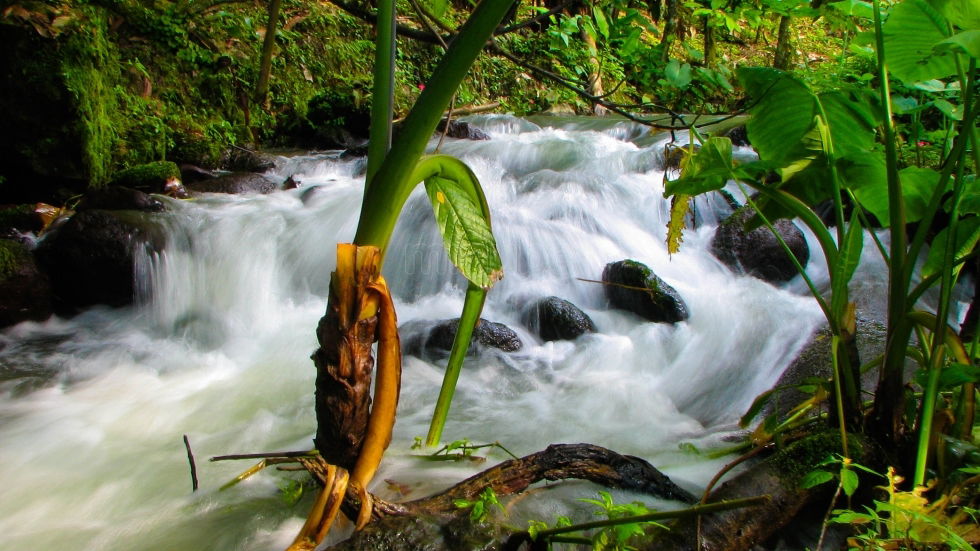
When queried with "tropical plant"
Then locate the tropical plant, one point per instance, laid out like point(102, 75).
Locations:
point(839, 147)
point(351, 434)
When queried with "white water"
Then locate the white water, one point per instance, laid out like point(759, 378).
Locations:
point(91, 456)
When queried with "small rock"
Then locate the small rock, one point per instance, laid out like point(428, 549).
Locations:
point(462, 130)
point(235, 183)
point(557, 319)
point(487, 334)
point(632, 286)
point(758, 252)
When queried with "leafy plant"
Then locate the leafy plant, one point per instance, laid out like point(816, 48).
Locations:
point(481, 506)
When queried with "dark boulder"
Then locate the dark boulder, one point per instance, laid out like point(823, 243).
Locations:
point(24, 291)
point(487, 334)
point(555, 319)
point(631, 285)
point(236, 182)
point(462, 130)
point(193, 173)
point(91, 258)
point(737, 135)
point(239, 159)
point(757, 252)
point(119, 198)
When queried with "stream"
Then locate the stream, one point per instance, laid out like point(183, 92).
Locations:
point(218, 345)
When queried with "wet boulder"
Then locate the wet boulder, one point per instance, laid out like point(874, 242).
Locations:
point(555, 319)
point(462, 130)
point(25, 293)
point(486, 334)
point(235, 183)
point(757, 252)
point(119, 198)
point(239, 159)
point(91, 258)
point(192, 173)
point(632, 286)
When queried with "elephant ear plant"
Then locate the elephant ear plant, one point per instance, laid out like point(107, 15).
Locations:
point(351, 434)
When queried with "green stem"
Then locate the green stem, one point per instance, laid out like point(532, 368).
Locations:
point(383, 201)
point(472, 306)
point(383, 93)
point(888, 406)
point(948, 274)
point(838, 395)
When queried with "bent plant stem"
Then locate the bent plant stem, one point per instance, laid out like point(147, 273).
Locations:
point(359, 308)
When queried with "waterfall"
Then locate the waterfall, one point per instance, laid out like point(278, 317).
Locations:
point(217, 346)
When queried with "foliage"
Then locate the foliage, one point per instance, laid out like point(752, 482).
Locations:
point(906, 518)
point(480, 507)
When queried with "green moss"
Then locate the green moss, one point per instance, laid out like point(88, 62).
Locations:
point(153, 175)
point(12, 256)
point(793, 462)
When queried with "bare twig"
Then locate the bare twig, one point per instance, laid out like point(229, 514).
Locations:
point(190, 459)
point(309, 453)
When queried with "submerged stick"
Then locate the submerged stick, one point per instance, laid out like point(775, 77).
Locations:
point(190, 459)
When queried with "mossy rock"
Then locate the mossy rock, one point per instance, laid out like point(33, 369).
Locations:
point(24, 290)
point(150, 177)
point(632, 286)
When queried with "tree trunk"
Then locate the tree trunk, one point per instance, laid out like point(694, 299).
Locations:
point(784, 45)
point(709, 44)
point(265, 63)
point(595, 68)
point(671, 28)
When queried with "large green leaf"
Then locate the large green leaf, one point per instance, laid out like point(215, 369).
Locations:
point(967, 42)
point(871, 190)
point(851, 119)
point(783, 112)
point(462, 221)
point(967, 235)
point(913, 29)
point(709, 169)
point(965, 14)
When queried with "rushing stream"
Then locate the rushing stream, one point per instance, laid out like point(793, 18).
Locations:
point(91, 455)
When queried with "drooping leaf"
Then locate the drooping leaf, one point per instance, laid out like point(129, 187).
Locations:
point(953, 376)
point(679, 206)
point(848, 481)
point(708, 170)
point(600, 22)
point(912, 30)
point(783, 112)
point(465, 232)
point(851, 120)
point(954, 112)
point(967, 236)
point(967, 42)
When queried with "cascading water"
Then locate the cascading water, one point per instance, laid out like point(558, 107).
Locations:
point(218, 347)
